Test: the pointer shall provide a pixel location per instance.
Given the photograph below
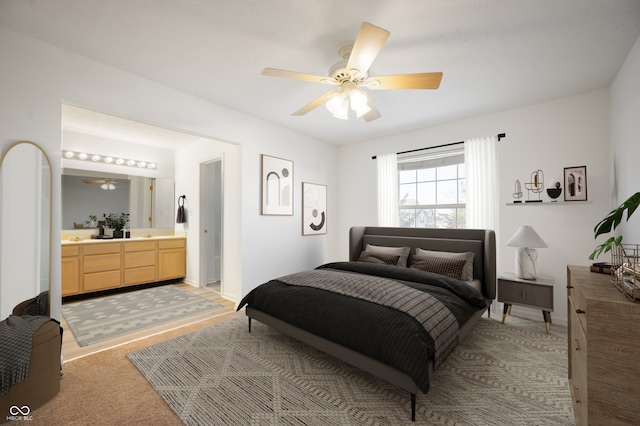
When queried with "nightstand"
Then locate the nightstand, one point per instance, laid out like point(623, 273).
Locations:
point(536, 293)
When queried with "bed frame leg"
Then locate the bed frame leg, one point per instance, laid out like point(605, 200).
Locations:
point(413, 407)
point(249, 324)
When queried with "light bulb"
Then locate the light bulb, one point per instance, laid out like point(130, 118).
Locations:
point(69, 154)
point(151, 165)
point(95, 157)
point(359, 102)
point(108, 160)
point(131, 162)
point(335, 103)
point(141, 164)
point(82, 156)
point(120, 161)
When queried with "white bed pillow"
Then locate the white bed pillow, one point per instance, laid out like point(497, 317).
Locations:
point(403, 252)
point(467, 271)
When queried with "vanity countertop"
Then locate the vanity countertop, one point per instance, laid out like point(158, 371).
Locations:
point(81, 240)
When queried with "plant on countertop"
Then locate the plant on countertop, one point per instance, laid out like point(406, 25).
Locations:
point(116, 221)
point(610, 223)
point(92, 220)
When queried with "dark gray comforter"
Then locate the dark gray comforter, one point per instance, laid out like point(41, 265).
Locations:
point(380, 332)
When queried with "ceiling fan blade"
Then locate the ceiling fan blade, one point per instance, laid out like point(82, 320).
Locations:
point(273, 72)
point(368, 44)
point(314, 104)
point(94, 181)
point(425, 80)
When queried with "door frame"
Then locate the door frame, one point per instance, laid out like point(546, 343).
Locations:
point(202, 282)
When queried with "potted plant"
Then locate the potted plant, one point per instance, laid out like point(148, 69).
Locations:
point(92, 221)
point(611, 221)
point(117, 222)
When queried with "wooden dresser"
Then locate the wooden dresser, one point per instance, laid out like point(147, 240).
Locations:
point(604, 350)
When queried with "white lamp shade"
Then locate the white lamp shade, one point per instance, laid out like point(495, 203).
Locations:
point(525, 236)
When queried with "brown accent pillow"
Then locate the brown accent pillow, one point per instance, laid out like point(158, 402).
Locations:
point(440, 265)
point(387, 259)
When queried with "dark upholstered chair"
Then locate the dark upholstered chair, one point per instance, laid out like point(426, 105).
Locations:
point(43, 381)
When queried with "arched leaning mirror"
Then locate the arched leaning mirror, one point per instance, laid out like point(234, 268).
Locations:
point(25, 224)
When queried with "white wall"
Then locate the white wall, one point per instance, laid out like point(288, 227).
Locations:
point(36, 78)
point(561, 133)
point(625, 139)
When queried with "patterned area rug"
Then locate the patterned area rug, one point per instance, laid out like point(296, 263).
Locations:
point(95, 320)
point(511, 374)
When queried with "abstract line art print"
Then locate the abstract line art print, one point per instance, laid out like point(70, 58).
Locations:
point(314, 209)
point(277, 186)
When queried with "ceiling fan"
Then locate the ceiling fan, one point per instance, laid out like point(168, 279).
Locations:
point(107, 184)
point(352, 73)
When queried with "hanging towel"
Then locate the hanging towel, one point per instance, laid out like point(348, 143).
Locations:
point(182, 215)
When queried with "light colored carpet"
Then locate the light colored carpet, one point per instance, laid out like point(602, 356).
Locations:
point(99, 319)
point(511, 374)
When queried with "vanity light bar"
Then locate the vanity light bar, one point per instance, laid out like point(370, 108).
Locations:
point(116, 161)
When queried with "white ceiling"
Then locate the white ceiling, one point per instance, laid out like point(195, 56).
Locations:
point(495, 54)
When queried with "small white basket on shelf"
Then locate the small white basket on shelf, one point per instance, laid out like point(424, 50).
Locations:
point(625, 267)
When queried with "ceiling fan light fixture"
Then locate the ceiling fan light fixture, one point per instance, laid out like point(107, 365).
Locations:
point(108, 186)
point(359, 101)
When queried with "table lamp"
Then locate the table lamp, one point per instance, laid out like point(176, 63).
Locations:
point(526, 241)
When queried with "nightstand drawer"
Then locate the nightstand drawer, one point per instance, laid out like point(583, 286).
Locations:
point(526, 294)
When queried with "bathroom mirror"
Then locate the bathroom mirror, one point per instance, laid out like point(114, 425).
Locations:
point(25, 224)
point(149, 201)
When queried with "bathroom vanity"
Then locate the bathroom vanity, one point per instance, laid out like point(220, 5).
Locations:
point(96, 265)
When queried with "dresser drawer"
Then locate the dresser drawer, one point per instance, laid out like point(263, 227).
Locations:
point(526, 294)
point(578, 383)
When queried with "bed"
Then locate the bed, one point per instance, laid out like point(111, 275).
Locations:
point(396, 309)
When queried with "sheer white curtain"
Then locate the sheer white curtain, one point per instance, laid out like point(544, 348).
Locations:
point(388, 190)
point(481, 164)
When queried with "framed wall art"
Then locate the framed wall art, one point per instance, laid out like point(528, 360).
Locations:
point(314, 209)
point(575, 183)
point(277, 186)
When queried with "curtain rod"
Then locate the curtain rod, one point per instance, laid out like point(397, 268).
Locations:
point(500, 136)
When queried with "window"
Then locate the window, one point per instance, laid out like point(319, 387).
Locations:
point(432, 190)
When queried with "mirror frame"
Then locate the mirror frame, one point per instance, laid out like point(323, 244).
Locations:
point(46, 157)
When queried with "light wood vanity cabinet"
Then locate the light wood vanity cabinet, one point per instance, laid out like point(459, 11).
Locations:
point(171, 258)
point(604, 350)
point(95, 266)
point(70, 270)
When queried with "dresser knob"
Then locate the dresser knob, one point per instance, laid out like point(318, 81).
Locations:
point(569, 286)
point(579, 311)
point(576, 344)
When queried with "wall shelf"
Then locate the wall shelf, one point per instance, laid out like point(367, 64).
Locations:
point(548, 203)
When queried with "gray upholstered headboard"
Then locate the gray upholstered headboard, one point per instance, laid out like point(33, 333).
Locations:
point(482, 242)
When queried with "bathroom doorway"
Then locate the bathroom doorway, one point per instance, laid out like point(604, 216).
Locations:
point(211, 225)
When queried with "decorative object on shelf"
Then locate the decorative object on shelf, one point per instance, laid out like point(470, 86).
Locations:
point(91, 223)
point(277, 186)
point(517, 193)
point(117, 222)
point(526, 241)
point(575, 183)
point(625, 267)
point(611, 222)
point(536, 186)
point(554, 190)
point(314, 209)
point(181, 216)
